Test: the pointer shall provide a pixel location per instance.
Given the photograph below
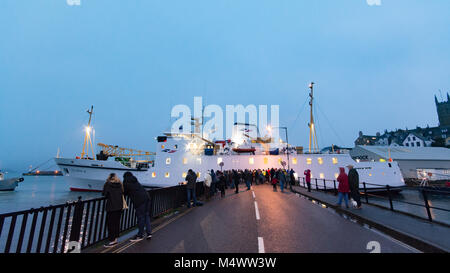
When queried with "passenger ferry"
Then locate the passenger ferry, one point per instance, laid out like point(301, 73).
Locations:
point(178, 152)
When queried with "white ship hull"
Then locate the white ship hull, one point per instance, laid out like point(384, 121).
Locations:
point(173, 161)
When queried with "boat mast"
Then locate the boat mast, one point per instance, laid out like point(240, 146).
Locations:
point(312, 130)
point(87, 137)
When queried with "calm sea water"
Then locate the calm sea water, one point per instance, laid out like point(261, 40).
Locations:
point(39, 191)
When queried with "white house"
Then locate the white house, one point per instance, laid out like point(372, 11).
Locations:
point(413, 140)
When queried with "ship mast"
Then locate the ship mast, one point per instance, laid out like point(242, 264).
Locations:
point(312, 130)
point(87, 137)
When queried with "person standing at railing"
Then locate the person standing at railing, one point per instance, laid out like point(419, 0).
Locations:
point(307, 174)
point(113, 191)
point(353, 182)
point(221, 183)
point(191, 179)
point(236, 181)
point(343, 188)
point(141, 202)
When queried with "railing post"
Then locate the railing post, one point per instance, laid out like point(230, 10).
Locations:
point(317, 187)
point(427, 205)
point(76, 221)
point(304, 185)
point(388, 188)
point(365, 193)
point(324, 185)
point(335, 189)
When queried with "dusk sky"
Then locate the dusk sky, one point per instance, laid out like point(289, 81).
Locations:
point(375, 67)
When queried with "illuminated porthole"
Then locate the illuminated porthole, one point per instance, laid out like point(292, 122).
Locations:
point(251, 161)
point(219, 160)
point(168, 160)
point(320, 160)
point(294, 161)
point(335, 161)
point(185, 161)
point(321, 176)
point(266, 160)
point(167, 175)
point(183, 175)
point(162, 146)
point(336, 175)
point(198, 174)
point(153, 174)
point(308, 161)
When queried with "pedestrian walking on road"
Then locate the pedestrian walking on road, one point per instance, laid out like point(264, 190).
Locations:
point(113, 191)
point(236, 181)
point(221, 184)
point(141, 202)
point(191, 179)
point(343, 188)
point(353, 182)
point(307, 174)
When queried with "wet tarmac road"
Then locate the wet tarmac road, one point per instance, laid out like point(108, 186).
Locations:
point(261, 220)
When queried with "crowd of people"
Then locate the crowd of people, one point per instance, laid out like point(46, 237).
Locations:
point(214, 181)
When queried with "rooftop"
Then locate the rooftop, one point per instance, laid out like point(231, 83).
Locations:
point(411, 153)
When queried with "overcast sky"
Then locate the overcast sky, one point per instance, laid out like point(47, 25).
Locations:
point(375, 67)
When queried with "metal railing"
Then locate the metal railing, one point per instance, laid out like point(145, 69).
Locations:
point(366, 193)
point(50, 229)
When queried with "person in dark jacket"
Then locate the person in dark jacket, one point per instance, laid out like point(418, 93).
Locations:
point(191, 179)
point(141, 202)
point(353, 182)
point(248, 178)
point(236, 180)
point(113, 191)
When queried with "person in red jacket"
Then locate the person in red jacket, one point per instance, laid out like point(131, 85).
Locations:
point(343, 188)
point(307, 174)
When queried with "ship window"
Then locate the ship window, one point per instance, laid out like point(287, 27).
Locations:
point(162, 146)
point(185, 161)
point(168, 160)
point(251, 161)
point(153, 174)
point(335, 161)
point(198, 174)
point(382, 160)
point(183, 175)
point(266, 160)
point(370, 174)
point(308, 161)
point(321, 175)
point(199, 160)
point(167, 175)
point(336, 175)
point(320, 160)
point(294, 160)
point(219, 160)
point(176, 146)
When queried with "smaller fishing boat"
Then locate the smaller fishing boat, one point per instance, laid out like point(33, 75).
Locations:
point(9, 184)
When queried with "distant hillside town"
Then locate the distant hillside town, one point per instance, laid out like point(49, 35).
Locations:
point(419, 137)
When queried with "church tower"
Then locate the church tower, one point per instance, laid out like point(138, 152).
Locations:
point(443, 110)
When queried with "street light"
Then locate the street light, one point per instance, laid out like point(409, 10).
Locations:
point(269, 128)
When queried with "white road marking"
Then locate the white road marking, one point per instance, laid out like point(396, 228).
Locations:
point(261, 245)
point(257, 211)
point(253, 194)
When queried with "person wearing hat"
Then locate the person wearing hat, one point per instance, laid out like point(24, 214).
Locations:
point(353, 181)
